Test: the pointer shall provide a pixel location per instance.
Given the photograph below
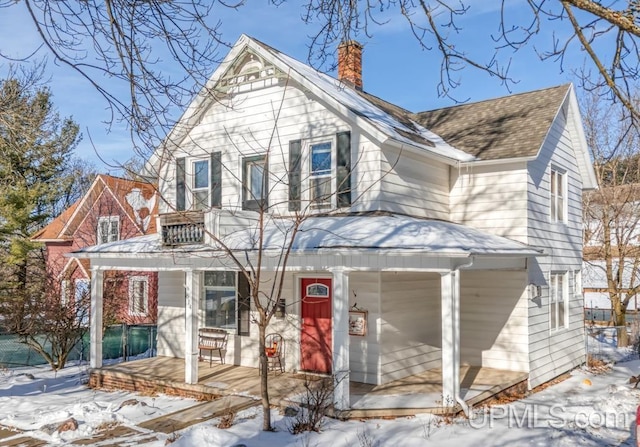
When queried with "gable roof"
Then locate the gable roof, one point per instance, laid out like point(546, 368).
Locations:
point(134, 198)
point(496, 129)
point(508, 127)
point(53, 231)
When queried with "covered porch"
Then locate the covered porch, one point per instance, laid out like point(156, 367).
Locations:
point(422, 317)
point(414, 394)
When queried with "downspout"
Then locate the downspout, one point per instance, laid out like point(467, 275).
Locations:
point(458, 398)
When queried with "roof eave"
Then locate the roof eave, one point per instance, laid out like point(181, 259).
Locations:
point(423, 151)
point(499, 161)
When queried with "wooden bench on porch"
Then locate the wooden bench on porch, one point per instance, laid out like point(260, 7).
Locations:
point(214, 341)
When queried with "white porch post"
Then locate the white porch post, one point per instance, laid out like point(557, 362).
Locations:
point(450, 290)
point(192, 295)
point(95, 322)
point(341, 339)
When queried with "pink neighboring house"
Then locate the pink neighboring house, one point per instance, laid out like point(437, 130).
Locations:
point(112, 209)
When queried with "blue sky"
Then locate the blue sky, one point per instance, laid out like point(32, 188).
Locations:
point(394, 66)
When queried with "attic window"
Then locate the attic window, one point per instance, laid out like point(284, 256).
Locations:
point(108, 229)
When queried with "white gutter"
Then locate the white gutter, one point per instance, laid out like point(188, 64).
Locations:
point(497, 161)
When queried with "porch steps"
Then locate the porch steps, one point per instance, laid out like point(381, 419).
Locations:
point(178, 420)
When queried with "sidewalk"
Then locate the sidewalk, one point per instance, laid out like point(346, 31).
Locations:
point(144, 432)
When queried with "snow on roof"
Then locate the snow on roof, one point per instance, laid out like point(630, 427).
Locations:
point(378, 233)
point(361, 106)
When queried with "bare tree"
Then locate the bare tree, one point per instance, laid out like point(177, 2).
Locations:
point(612, 213)
point(50, 326)
point(118, 47)
point(122, 48)
point(607, 33)
point(258, 244)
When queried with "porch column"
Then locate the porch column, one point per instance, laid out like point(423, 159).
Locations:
point(95, 322)
point(341, 338)
point(450, 295)
point(192, 295)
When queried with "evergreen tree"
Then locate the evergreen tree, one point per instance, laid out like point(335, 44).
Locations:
point(37, 176)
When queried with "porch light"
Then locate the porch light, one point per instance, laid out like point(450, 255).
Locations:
point(535, 291)
point(281, 306)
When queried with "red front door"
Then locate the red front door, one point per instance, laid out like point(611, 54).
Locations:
point(315, 339)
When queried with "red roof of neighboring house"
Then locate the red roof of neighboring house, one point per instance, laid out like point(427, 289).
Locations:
point(137, 199)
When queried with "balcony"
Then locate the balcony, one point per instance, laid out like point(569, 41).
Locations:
point(182, 228)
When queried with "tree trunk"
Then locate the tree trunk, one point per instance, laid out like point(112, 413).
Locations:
point(264, 377)
point(619, 319)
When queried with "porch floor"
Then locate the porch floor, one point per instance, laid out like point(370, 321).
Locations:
point(420, 393)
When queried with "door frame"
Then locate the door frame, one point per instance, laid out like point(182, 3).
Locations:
point(297, 293)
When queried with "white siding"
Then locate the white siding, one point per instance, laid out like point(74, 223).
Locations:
point(492, 198)
point(364, 352)
point(410, 336)
point(493, 319)
point(553, 353)
point(414, 185)
point(244, 126)
point(243, 350)
point(171, 314)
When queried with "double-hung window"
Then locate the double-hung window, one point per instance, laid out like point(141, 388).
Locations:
point(325, 163)
point(320, 175)
point(199, 182)
point(200, 185)
point(255, 184)
point(558, 301)
point(226, 301)
point(138, 295)
point(108, 229)
point(558, 196)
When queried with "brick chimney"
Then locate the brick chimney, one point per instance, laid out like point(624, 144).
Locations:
point(350, 63)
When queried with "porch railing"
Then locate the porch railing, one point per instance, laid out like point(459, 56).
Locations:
point(182, 228)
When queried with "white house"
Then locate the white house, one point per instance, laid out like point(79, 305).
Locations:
point(458, 231)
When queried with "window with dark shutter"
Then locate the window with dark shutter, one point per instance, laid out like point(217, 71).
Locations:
point(295, 177)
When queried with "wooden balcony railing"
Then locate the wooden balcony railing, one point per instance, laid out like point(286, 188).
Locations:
point(182, 228)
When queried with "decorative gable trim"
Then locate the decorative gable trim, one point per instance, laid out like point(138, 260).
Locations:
point(67, 267)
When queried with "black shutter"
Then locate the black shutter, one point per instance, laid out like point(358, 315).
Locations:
point(295, 178)
point(180, 185)
point(216, 180)
point(344, 168)
point(244, 304)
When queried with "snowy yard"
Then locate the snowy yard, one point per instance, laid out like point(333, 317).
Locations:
point(585, 410)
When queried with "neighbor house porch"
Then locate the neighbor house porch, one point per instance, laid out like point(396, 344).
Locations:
point(419, 393)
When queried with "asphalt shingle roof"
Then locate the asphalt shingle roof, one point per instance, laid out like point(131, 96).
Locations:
point(508, 127)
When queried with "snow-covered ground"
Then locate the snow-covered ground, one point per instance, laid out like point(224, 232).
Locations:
point(584, 410)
